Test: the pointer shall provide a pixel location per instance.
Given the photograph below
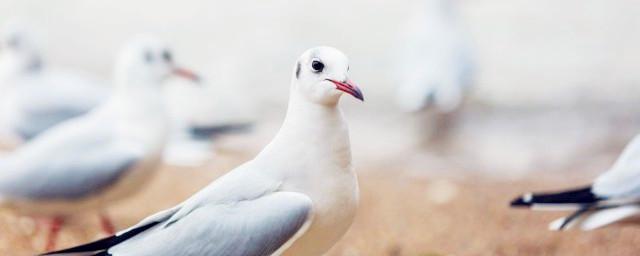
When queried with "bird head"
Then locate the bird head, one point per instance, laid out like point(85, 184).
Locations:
point(148, 60)
point(321, 75)
point(18, 48)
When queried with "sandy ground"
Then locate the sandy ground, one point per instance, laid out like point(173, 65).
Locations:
point(400, 214)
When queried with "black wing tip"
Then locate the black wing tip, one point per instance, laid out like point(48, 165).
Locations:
point(101, 247)
point(96, 246)
point(522, 201)
point(581, 195)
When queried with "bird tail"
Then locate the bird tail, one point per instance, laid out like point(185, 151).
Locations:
point(101, 247)
point(575, 199)
point(595, 218)
point(206, 132)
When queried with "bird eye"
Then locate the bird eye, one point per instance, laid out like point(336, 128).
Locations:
point(317, 66)
point(148, 57)
point(166, 55)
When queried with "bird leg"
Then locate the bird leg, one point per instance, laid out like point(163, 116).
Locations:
point(55, 225)
point(106, 224)
point(38, 223)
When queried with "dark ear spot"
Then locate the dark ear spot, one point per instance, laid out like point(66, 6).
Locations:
point(298, 70)
point(166, 55)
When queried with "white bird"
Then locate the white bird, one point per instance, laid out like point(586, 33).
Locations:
point(435, 66)
point(612, 197)
point(34, 96)
point(297, 197)
point(88, 162)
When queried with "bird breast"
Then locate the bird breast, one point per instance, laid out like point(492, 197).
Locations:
point(335, 200)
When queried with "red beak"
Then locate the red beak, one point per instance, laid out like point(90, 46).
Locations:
point(349, 87)
point(187, 74)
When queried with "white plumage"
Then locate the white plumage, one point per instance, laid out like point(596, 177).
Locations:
point(297, 197)
point(91, 161)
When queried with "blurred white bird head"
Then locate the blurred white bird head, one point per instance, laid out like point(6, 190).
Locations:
point(321, 75)
point(18, 50)
point(148, 61)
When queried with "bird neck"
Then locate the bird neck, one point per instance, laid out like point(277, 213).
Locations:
point(312, 135)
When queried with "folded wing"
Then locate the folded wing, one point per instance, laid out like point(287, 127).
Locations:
point(262, 226)
point(67, 165)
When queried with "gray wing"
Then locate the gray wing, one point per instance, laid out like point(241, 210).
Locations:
point(70, 162)
point(35, 123)
point(246, 228)
point(42, 106)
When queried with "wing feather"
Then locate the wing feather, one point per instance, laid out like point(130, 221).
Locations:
point(254, 227)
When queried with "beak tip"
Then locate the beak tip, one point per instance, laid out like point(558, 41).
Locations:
point(187, 74)
point(349, 88)
point(358, 94)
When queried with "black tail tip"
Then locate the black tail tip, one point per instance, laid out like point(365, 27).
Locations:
point(522, 201)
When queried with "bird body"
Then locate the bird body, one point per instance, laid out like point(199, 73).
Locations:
point(134, 162)
point(323, 172)
point(298, 196)
point(89, 162)
point(131, 127)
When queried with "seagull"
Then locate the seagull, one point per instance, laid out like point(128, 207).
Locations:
point(435, 65)
point(35, 96)
point(296, 197)
point(88, 162)
point(614, 196)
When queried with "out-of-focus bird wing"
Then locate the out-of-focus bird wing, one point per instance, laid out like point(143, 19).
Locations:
point(71, 161)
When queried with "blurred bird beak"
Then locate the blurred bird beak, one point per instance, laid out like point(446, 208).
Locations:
point(187, 74)
point(349, 87)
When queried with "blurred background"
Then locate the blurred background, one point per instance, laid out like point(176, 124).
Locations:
point(553, 100)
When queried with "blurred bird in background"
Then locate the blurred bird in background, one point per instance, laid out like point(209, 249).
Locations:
point(36, 97)
point(613, 196)
point(435, 67)
point(89, 162)
point(194, 129)
point(297, 197)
